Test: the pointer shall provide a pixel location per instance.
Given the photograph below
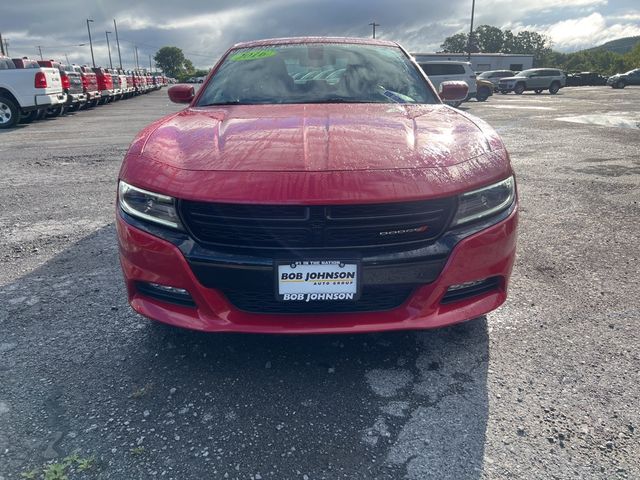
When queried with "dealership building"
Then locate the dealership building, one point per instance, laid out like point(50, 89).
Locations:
point(481, 62)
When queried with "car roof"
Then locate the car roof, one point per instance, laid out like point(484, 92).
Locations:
point(293, 40)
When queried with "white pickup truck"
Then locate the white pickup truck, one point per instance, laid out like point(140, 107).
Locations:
point(25, 92)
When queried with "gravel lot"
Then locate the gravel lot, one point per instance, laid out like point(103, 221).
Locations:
point(545, 387)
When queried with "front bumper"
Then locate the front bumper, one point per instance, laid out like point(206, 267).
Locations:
point(457, 257)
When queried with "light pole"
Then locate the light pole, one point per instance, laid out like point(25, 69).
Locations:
point(115, 28)
point(40, 50)
point(137, 64)
point(109, 49)
point(93, 60)
point(374, 25)
point(470, 40)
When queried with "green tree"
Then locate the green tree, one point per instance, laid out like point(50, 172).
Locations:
point(489, 39)
point(455, 44)
point(171, 60)
point(632, 58)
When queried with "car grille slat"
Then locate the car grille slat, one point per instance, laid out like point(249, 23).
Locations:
point(315, 227)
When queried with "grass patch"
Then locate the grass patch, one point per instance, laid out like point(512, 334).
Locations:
point(60, 470)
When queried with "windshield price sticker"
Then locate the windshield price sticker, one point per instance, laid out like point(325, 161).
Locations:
point(252, 55)
point(322, 280)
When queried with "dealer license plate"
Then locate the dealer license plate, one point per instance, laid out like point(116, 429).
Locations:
point(317, 280)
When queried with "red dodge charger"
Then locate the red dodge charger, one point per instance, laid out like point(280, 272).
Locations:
point(316, 185)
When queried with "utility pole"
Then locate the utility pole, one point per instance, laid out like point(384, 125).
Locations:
point(115, 28)
point(93, 60)
point(109, 49)
point(374, 25)
point(6, 47)
point(1, 45)
point(470, 40)
point(40, 50)
point(150, 67)
point(67, 57)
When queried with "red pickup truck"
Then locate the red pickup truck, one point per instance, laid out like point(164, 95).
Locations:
point(89, 85)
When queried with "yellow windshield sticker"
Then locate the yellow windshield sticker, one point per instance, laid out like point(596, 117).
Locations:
point(252, 55)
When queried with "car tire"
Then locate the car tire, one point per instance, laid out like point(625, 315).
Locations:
point(538, 91)
point(57, 111)
point(29, 117)
point(519, 89)
point(503, 92)
point(554, 88)
point(621, 84)
point(483, 94)
point(9, 113)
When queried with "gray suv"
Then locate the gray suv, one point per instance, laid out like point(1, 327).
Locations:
point(536, 79)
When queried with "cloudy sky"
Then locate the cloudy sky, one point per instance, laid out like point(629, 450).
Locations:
point(205, 28)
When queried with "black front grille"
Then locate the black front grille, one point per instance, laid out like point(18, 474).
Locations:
point(316, 227)
point(373, 299)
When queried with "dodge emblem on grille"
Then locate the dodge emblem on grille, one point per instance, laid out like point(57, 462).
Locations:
point(422, 228)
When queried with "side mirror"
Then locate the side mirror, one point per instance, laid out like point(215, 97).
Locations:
point(181, 93)
point(453, 91)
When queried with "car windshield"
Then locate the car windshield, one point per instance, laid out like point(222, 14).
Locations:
point(316, 73)
point(484, 75)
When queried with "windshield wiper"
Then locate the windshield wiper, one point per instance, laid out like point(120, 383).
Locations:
point(338, 100)
point(230, 102)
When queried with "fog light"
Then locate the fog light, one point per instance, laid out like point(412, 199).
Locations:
point(166, 293)
point(168, 289)
point(462, 291)
point(460, 286)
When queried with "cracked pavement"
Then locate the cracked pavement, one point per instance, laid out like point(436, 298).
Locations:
point(546, 387)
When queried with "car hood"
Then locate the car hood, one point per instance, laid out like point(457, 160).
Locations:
point(512, 78)
point(319, 137)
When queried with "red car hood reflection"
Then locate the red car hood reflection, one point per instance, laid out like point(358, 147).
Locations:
point(315, 137)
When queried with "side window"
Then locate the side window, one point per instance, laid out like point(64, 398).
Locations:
point(454, 70)
point(432, 69)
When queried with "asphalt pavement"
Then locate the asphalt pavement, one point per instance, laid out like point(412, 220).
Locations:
point(546, 387)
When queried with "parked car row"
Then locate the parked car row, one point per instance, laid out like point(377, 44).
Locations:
point(31, 89)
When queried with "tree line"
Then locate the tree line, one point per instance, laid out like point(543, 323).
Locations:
point(174, 64)
point(490, 39)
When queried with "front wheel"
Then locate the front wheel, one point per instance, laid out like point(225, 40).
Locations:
point(553, 89)
point(621, 84)
point(519, 89)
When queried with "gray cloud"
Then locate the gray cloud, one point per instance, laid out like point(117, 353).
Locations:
point(204, 29)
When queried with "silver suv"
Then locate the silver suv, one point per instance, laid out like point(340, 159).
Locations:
point(536, 79)
point(494, 76)
point(442, 71)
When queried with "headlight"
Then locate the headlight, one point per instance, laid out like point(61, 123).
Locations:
point(485, 201)
point(150, 206)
